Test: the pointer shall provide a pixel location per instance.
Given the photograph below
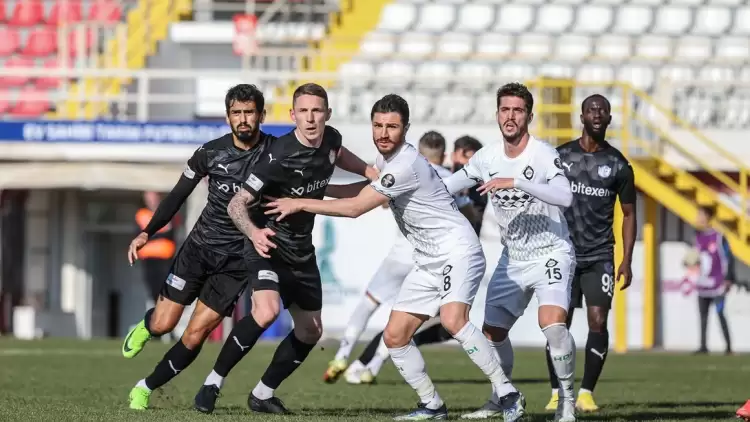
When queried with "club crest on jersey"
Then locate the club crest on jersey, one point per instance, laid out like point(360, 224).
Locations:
point(332, 156)
point(558, 163)
point(528, 173)
point(605, 171)
point(388, 180)
point(551, 263)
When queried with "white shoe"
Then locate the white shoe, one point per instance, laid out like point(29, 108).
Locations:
point(511, 407)
point(353, 374)
point(566, 410)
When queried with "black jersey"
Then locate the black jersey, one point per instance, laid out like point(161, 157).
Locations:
point(293, 170)
point(596, 179)
point(224, 165)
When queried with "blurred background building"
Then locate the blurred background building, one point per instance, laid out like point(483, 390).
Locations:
point(103, 100)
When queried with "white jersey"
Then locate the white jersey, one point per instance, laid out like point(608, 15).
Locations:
point(425, 212)
point(529, 228)
point(401, 245)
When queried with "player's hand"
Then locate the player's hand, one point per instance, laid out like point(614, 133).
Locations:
point(372, 173)
point(283, 207)
point(260, 240)
point(495, 184)
point(135, 245)
point(625, 274)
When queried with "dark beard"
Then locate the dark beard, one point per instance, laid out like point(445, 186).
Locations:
point(245, 137)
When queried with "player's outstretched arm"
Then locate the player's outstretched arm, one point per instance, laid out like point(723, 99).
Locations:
point(346, 191)
point(459, 181)
point(368, 199)
point(555, 192)
point(348, 161)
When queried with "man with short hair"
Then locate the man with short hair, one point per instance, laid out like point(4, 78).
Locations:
point(279, 255)
point(528, 190)
point(449, 259)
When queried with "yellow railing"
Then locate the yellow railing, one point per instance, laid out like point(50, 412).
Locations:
point(641, 127)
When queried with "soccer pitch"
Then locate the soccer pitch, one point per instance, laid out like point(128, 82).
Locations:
point(89, 380)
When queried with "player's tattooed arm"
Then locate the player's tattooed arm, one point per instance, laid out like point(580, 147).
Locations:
point(347, 160)
point(237, 210)
point(368, 199)
point(345, 191)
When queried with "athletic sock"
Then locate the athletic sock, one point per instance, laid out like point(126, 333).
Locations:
point(240, 341)
point(357, 324)
point(288, 357)
point(174, 361)
point(597, 346)
point(410, 364)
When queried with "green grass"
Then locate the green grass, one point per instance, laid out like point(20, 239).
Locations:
point(59, 380)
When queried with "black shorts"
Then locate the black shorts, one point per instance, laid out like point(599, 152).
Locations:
point(297, 284)
point(594, 280)
point(214, 278)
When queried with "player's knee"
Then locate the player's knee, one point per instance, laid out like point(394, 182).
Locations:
point(454, 316)
point(265, 313)
point(552, 314)
point(193, 337)
point(494, 334)
point(597, 318)
point(309, 333)
point(163, 322)
point(393, 337)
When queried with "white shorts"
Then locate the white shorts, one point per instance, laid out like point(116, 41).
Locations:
point(514, 282)
point(429, 287)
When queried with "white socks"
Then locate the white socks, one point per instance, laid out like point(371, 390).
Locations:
point(142, 384)
point(504, 350)
point(357, 324)
point(215, 379)
point(381, 355)
point(410, 364)
point(263, 391)
point(482, 353)
point(562, 351)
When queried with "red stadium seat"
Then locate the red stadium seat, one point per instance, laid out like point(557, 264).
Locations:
point(11, 41)
point(49, 82)
point(5, 101)
point(13, 81)
point(105, 11)
point(3, 12)
point(27, 13)
point(65, 11)
point(42, 42)
point(31, 102)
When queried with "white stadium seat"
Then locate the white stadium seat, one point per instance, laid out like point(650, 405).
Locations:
point(397, 17)
point(514, 18)
point(356, 73)
point(515, 71)
point(653, 47)
point(712, 20)
point(434, 73)
point(595, 73)
point(672, 20)
point(592, 19)
point(632, 19)
point(714, 73)
point(455, 44)
point(649, 2)
point(613, 47)
point(376, 44)
point(676, 73)
point(732, 49)
point(741, 21)
point(473, 74)
point(554, 70)
point(641, 77)
point(475, 18)
point(435, 17)
point(533, 46)
point(573, 47)
point(553, 19)
point(494, 45)
point(416, 44)
point(395, 74)
point(693, 49)
point(687, 2)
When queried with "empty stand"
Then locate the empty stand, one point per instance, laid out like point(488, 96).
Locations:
point(473, 45)
point(37, 33)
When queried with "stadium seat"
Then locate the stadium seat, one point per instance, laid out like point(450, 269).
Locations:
point(395, 74)
point(416, 45)
point(397, 17)
point(632, 19)
point(5, 101)
point(593, 19)
point(514, 18)
point(553, 19)
point(653, 47)
point(534, 46)
point(11, 41)
point(677, 73)
point(641, 77)
point(377, 44)
point(555, 70)
point(613, 47)
point(41, 42)
point(475, 18)
point(573, 47)
point(595, 73)
point(714, 73)
point(732, 49)
point(432, 74)
point(741, 21)
point(49, 82)
point(27, 13)
point(105, 11)
point(494, 45)
point(65, 12)
point(455, 44)
point(435, 17)
point(474, 75)
point(712, 21)
point(514, 71)
point(356, 73)
point(695, 49)
point(31, 102)
point(672, 20)
point(20, 80)
point(3, 12)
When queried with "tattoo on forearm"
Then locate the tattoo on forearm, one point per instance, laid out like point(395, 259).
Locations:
point(237, 211)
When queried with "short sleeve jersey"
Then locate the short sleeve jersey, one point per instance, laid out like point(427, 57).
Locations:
point(529, 228)
point(425, 212)
point(293, 170)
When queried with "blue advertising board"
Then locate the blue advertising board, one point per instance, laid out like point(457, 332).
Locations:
point(110, 132)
